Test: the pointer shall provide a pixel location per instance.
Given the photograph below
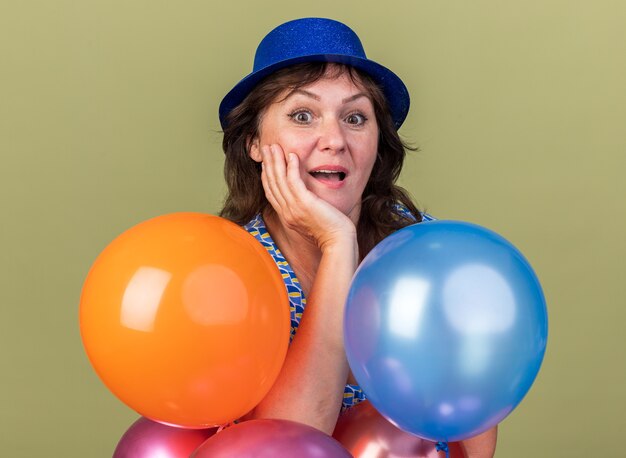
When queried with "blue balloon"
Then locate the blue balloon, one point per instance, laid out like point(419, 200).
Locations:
point(445, 329)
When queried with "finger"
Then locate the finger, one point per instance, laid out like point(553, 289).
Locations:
point(302, 201)
point(270, 184)
point(292, 188)
point(294, 179)
point(279, 163)
point(280, 187)
point(268, 192)
point(293, 208)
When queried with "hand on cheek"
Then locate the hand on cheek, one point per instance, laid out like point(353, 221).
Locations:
point(282, 183)
point(297, 207)
point(273, 176)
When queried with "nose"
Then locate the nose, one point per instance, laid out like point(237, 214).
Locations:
point(331, 136)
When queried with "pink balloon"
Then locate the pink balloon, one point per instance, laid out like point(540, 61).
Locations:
point(271, 439)
point(366, 433)
point(148, 439)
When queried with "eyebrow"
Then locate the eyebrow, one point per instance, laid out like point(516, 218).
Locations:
point(354, 97)
point(306, 93)
point(317, 97)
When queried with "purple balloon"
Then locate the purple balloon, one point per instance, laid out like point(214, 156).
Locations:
point(148, 439)
point(271, 439)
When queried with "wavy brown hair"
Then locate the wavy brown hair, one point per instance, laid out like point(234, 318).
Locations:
point(379, 214)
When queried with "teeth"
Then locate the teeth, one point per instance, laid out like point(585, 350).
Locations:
point(331, 173)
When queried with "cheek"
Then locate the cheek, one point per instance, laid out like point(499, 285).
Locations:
point(368, 159)
point(289, 141)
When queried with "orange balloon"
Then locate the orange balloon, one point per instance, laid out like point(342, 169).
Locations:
point(185, 318)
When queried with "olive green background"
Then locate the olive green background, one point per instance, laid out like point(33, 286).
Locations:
point(108, 116)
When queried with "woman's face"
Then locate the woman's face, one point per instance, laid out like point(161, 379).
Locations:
point(331, 127)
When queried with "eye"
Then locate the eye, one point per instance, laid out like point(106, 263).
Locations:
point(301, 116)
point(356, 119)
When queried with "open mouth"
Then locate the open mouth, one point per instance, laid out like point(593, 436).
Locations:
point(328, 175)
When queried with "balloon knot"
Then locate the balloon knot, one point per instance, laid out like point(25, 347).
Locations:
point(442, 447)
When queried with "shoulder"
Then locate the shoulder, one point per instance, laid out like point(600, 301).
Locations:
point(255, 224)
point(256, 228)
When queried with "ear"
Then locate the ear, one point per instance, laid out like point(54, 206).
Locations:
point(254, 150)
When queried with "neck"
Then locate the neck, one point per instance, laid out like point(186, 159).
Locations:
point(302, 254)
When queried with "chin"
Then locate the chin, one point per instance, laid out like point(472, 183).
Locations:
point(334, 198)
point(348, 209)
point(342, 206)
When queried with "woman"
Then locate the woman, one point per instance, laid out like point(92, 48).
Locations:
point(312, 155)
